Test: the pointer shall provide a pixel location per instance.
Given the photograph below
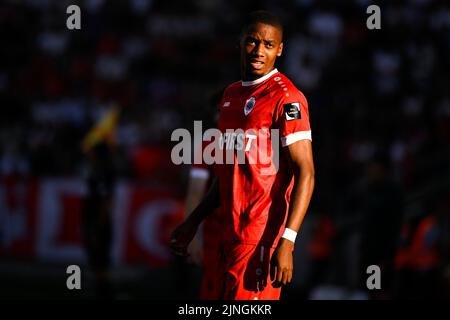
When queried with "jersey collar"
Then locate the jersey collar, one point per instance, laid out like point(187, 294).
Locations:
point(259, 80)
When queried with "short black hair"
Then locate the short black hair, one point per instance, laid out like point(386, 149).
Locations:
point(262, 16)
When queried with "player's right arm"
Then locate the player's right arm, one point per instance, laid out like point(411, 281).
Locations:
point(185, 232)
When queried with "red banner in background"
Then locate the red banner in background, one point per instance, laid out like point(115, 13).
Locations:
point(41, 220)
point(18, 199)
point(151, 215)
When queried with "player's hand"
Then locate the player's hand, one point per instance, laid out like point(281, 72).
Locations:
point(181, 237)
point(281, 264)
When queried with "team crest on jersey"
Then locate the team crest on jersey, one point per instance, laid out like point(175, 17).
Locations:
point(249, 105)
point(292, 111)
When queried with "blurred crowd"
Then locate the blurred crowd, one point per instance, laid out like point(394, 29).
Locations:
point(379, 102)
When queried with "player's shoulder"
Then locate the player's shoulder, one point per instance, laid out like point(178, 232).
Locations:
point(232, 90)
point(232, 87)
point(285, 89)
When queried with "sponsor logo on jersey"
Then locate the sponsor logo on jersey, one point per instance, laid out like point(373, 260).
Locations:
point(292, 111)
point(249, 105)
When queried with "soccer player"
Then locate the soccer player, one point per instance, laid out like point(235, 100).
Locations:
point(100, 178)
point(96, 217)
point(261, 210)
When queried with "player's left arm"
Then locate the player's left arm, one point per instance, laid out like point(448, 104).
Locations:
point(300, 154)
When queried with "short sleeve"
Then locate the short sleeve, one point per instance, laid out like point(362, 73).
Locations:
point(200, 169)
point(293, 118)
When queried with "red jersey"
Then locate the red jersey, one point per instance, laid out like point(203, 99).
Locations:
point(255, 195)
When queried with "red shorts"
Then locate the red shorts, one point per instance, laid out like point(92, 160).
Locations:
point(244, 273)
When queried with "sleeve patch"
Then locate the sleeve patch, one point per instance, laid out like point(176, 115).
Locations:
point(292, 111)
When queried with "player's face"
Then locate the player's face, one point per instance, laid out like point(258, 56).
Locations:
point(260, 46)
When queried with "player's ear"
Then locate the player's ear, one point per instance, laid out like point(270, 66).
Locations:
point(280, 50)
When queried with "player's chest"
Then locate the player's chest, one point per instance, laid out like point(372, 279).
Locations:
point(247, 110)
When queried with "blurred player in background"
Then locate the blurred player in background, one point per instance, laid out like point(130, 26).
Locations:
point(204, 247)
point(262, 210)
point(97, 216)
point(381, 203)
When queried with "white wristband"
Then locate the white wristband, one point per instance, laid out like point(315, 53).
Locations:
point(289, 234)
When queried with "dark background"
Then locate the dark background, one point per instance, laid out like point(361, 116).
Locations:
point(379, 104)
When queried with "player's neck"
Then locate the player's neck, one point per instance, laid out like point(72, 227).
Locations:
point(246, 80)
